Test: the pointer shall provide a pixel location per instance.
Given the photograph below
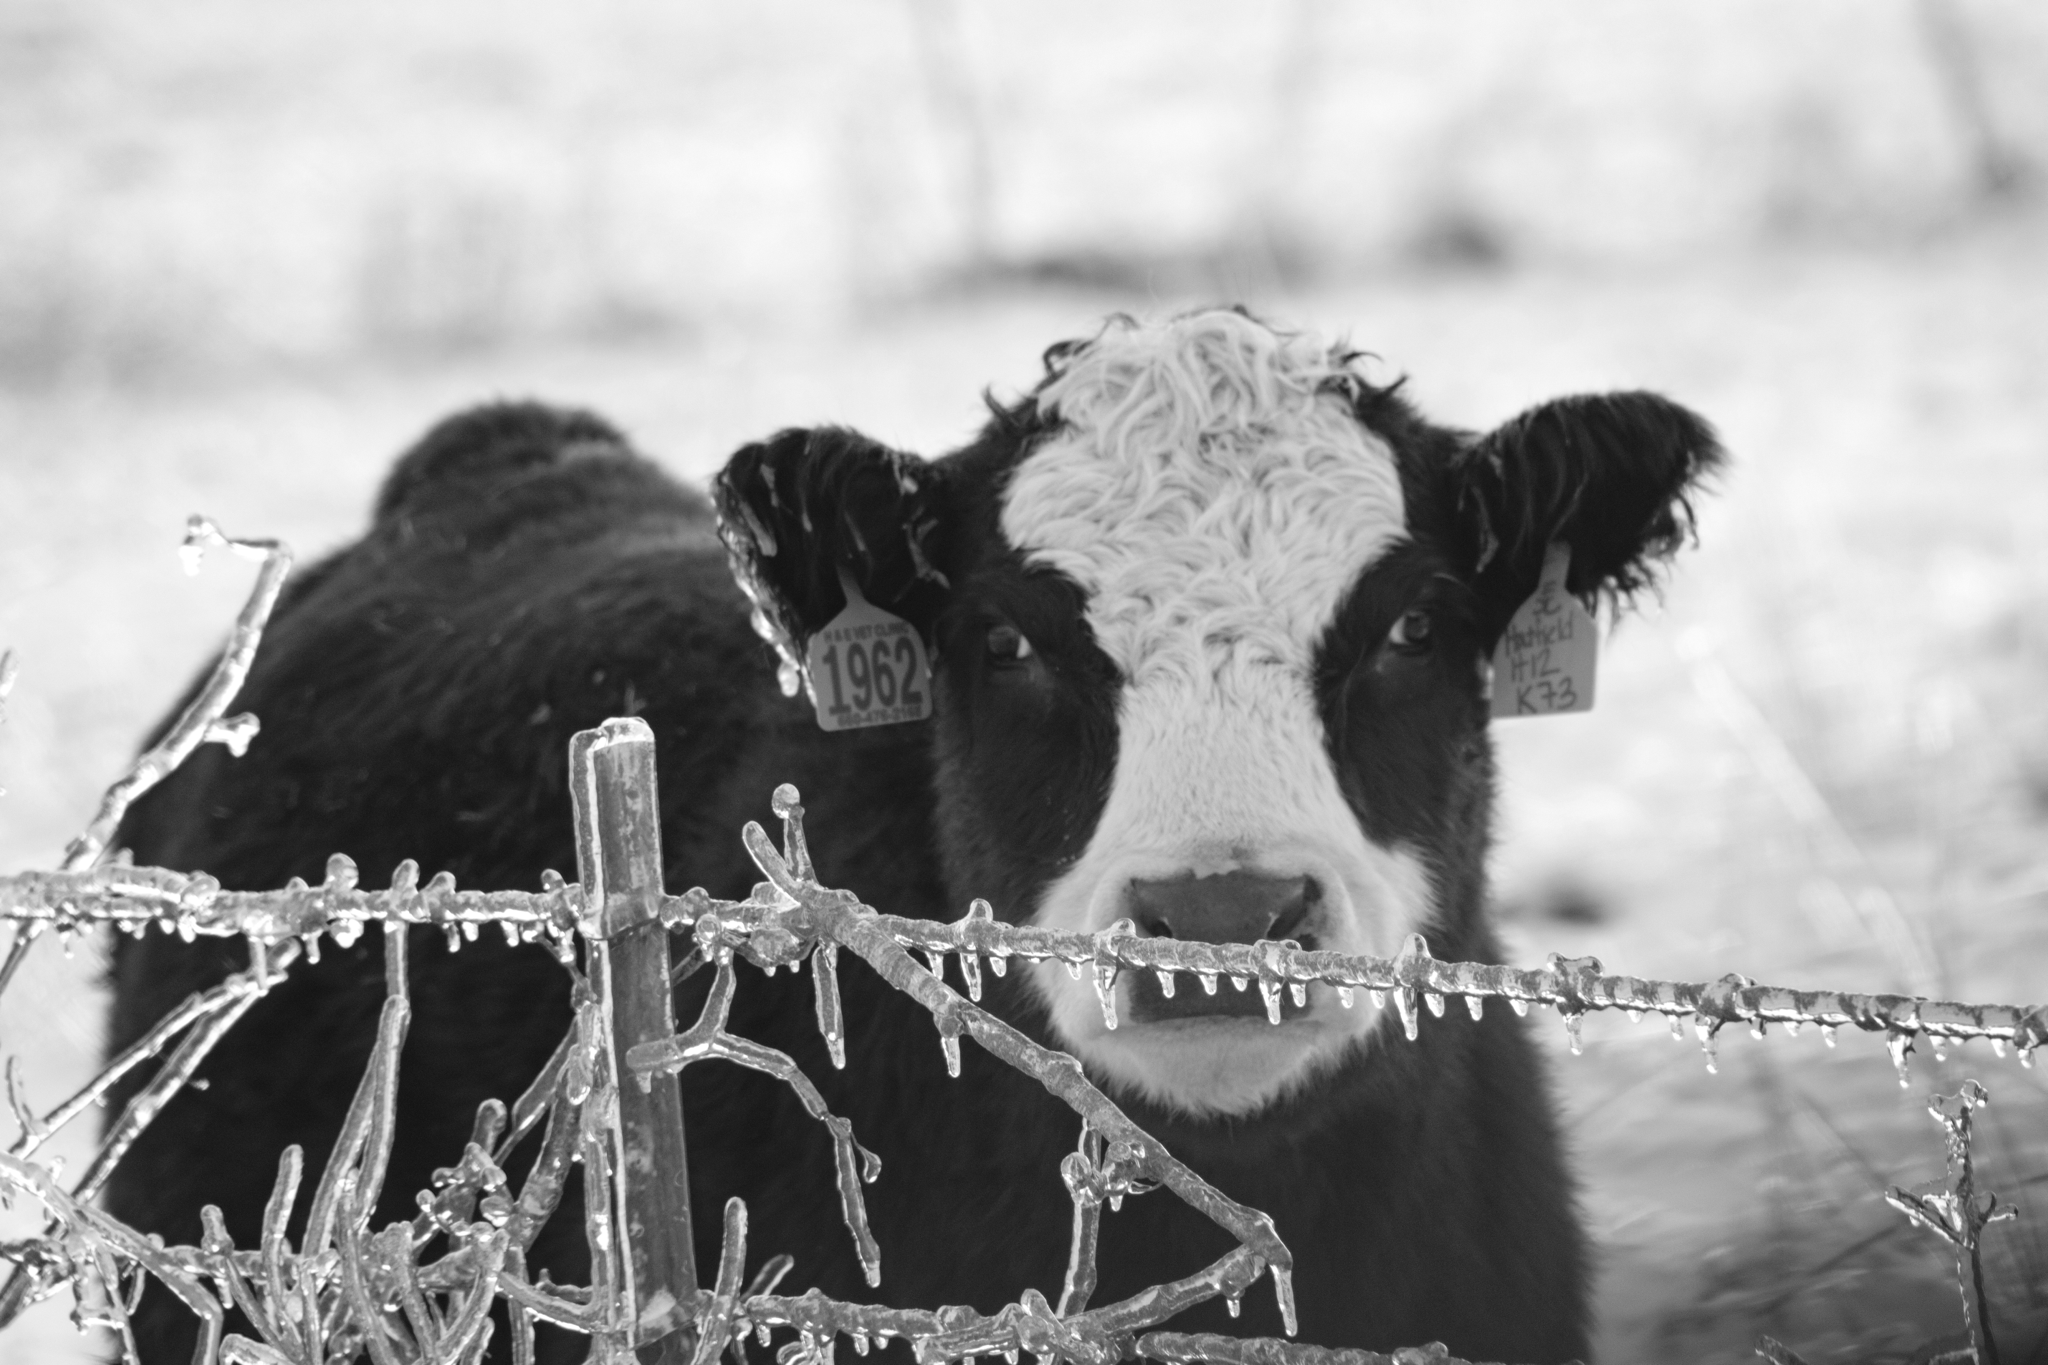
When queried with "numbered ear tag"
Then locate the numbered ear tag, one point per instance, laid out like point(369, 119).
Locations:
point(1547, 657)
point(867, 668)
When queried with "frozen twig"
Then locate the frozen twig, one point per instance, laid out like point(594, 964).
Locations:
point(73, 1215)
point(201, 721)
point(1184, 1348)
point(820, 912)
point(715, 1322)
point(707, 1039)
point(1954, 1212)
point(206, 717)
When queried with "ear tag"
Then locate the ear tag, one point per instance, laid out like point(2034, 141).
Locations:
point(1548, 656)
point(867, 667)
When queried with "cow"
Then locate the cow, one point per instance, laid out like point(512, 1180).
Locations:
point(1209, 615)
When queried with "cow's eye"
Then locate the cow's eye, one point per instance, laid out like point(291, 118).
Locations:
point(1410, 634)
point(1007, 645)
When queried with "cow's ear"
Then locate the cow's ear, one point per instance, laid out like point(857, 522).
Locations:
point(808, 505)
point(1610, 475)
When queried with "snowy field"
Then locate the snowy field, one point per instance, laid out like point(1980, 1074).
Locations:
point(1865, 620)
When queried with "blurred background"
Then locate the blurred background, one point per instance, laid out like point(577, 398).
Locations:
point(248, 251)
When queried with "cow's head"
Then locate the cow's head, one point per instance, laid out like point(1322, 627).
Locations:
point(1210, 615)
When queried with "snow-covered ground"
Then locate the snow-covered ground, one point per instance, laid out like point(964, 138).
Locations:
point(247, 254)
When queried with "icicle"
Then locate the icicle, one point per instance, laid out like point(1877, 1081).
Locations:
point(1827, 1034)
point(935, 962)
point(1404, 998)
point(1297, 991)
point(1165, 976)
point(1997, 1046)
point(1677, 1028)
point(1346, 996)
point(1435, 1001)
point(949, 1042)
point(1572, 1020)
point(1240, 982)
point(825, 987)
point(1378, 997)
point(1116, 1203)
point(1899, 1042)
point(1208, 980)
point(970, 971)
point(761, 1333)
point(860, 1343)
point(999, 963)
point(1074, 970)
point(1939, 1045)
point(1756, 1027)
point(1707, 1029)
point(311, 943)
point(1105, 992)
point(1475, 1005)
point(1283, 1292)
point(1792, 1027)
point(2026, 1054)
point(1635, 1016)
point(1269, 991)
point(1519, 1006)
point(1233, 1305)
point(1107, 967)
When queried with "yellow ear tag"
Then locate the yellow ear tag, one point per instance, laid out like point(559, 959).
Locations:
point(867, 667)
point(1548, 656)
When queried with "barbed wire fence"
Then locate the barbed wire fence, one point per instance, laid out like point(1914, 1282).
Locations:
point(423, 1290)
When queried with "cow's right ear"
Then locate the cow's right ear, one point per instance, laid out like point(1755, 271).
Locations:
point(809, 505)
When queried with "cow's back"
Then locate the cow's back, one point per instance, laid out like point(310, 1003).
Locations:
point(526, 576)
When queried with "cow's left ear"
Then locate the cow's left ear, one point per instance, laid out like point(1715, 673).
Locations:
point(1610, 475)
point(810, 504)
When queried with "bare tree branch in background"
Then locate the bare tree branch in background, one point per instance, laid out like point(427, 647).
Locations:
point(2000, 171)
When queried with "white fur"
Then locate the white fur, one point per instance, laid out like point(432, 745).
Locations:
point(1215, 498)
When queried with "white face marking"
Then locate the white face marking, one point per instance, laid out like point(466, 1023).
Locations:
point(1215, 498)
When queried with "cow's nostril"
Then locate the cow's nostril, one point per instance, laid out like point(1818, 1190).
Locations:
point(1292, 915)
point(1231, 907)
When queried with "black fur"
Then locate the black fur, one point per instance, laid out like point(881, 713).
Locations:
point(527, 576)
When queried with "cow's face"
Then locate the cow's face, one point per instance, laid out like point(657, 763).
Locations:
point(1209, 616)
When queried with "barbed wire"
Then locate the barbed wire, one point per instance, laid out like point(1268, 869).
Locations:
point(132, 899)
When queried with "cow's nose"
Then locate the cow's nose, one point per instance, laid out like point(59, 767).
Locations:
point(1230, 907)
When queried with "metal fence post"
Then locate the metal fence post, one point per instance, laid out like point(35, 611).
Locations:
point(618, 852)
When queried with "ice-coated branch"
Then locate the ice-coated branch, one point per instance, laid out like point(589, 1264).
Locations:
point(840, 917)
point(206, 717)
point(1179, 1348)
point(1953, 1211)
point(1098, 1337)
point(76, 1218)
point(715, 1321)
point(707, 1039)
point(200, 721)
